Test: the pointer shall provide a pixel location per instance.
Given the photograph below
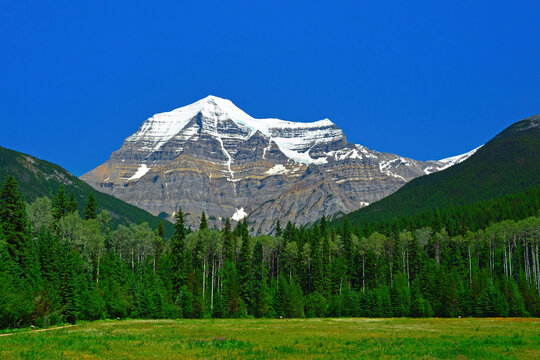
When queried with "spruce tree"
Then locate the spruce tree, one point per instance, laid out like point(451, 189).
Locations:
point(231, 300)
point(261, 301)
point(228, 247)
point(204, 222)
point(316, 262)
point(13, 224)
point(72, 202)
point(244, 267)
point(347, 245)
point(516, 306)
point(326, 261)
point(281, 298)
point(160, 231)
point(60, 204)
point(158, 244)
point(91, 209)
point(178, 249)
point(278, 229)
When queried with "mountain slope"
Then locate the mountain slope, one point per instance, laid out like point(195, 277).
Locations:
point(39, 178)
point(507, 164)
point(211, 156)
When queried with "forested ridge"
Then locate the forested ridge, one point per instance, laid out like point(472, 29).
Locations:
point(58, 265)
point(38, 178)
point(507, 164)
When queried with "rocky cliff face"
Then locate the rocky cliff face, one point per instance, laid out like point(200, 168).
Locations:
point(211, 156)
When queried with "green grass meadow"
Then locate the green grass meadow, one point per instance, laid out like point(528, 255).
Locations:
point(282, 339)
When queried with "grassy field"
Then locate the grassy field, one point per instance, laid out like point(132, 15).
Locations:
point(272, 339)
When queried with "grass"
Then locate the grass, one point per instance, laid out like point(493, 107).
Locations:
point(291, 339)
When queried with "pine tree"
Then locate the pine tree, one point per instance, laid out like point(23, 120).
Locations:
point(326, 256)
point(204, 222)
point(295, 303)
point(281, 298)
point(161, 230)
point(228, 247)
point(244, 267)
point(158, 244)
point(178, 250)
point(233, 305)
point(316, 262)
point(90, 211)
point(261, 301)
point(491, 302)
point(278, 229)
point(60, 204)
point(72, 202)
point(289, 235)
point(13, 224)
point(347, 245)
point(516, 306)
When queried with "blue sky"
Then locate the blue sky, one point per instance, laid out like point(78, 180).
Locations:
point(423, 79)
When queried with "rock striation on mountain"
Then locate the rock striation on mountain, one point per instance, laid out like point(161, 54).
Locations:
point(211, 156)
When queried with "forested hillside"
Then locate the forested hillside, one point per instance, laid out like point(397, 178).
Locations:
point(57, 267)
point(39, 178)
point(508, 164)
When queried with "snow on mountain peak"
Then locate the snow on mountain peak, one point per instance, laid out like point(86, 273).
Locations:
point(291, 137)
point(453, 160)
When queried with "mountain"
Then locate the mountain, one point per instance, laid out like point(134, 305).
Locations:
point(39, 178)
point(507, 164)
point(211, 156)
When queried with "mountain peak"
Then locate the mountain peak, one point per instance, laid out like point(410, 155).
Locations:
point(212, 100)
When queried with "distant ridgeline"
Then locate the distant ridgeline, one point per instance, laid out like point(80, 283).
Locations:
point(39, 178)
point(503, 170)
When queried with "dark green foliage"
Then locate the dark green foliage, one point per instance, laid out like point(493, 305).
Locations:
point(261, 295)
point(228, 246)
point(13, 227)
point(491, 303)
point(232, 304)
point(178, 253)
point(245, 271)
point(508, 164)
point(38, 178)
point(91, 208)
point(160, 230)
point(61, 205)
point(204, 222)
point(85, 269)
point(516, 305)
point(72, 204)
point(278, 229)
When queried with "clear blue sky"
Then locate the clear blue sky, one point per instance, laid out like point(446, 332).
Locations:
point(423, 79)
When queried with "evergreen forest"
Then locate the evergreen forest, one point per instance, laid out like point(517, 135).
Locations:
point(59, 264)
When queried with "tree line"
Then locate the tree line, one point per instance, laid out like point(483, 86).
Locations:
point(58, 266)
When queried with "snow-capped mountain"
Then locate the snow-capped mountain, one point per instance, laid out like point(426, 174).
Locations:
point(211, 156)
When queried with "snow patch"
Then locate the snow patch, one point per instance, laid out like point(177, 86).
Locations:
point(141, 171)
point(345, 153)
point(239, 214)
point(277, 169)
point(453, 160)
point(383, 165)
